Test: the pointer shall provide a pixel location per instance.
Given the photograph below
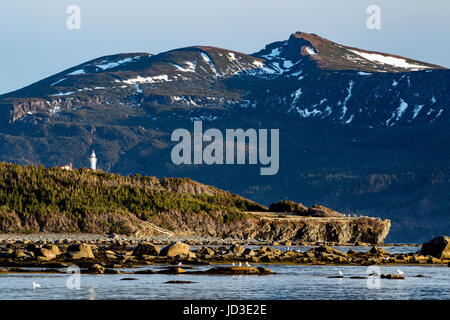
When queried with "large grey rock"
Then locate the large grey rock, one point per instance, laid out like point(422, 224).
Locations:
point(438, 247)
point(237, 249)
point(80, 251)
point(45, 253)
point(97, 268)
point(146, 249)
point(175, 249)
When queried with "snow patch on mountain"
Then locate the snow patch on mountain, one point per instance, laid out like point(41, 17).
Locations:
point(59, 81)
point(310, 51)
point(232, 56)
point(273, 54)
point(349, 95)
point(296, 95)
point(398, 113)
point(350, 119)
point(305, 113)
point(209, 61)
point(393, 61)
point(190, 66)
point(77, 72)
point(154, 79)
point(112, 64)
point(417, 110)
point(61, 94)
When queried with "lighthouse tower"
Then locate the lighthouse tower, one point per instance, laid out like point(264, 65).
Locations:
point(93, 159)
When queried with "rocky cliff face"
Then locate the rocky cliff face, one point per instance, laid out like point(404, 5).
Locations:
point(175, 223)
point(261, 227)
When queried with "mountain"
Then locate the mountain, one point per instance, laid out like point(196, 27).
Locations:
point(360, 131)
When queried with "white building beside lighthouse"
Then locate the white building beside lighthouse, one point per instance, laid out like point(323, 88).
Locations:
point(93, 159)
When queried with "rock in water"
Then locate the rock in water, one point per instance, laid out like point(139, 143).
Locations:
point(146, 248)
point(438, 247)
point(238, 271)
point(237, 249)
point(377, 251)
point(80, 251)
point(175, 249)
point(46, 254)
point(98, 269)
point(392, 276)
point(207, 251)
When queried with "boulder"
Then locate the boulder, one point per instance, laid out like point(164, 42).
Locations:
point(438, 247)
point(392, 276)
point(53, 248)
point(238, 271)
point(249, 252)
point(207, 251)
point(20, 254)
point(175, 249)
point(147, 249)
point(377, 251)
point(191, 255)
point(80, 251)
point(47, 254)
point(98, 269)
point(328, 250)
point(237, 249)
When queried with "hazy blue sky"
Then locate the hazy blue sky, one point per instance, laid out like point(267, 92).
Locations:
point(36, 43)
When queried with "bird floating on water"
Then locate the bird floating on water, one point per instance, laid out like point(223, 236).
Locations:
point(340, 273)
point(247, 264)
point(36, 285)
point(400, 272)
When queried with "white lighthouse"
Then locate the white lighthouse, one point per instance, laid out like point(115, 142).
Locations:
point(93, 159)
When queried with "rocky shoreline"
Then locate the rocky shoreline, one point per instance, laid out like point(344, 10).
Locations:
point(106, 255)
point(102, 239)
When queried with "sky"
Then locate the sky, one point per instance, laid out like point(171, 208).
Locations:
point(36, 43)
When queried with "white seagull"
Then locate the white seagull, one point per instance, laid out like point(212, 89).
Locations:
point(247, 264)
point(179, 264)
point(400, 272)
point(340, 273)
point(240, 264)
point(233, 264)
point(36, 285)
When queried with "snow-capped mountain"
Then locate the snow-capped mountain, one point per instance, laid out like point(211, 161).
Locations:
point(360, 131)
point(308, 76)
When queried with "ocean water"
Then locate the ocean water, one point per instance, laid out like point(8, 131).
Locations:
point(290, 282)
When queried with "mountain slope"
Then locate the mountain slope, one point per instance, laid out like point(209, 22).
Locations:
point(360, 131)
